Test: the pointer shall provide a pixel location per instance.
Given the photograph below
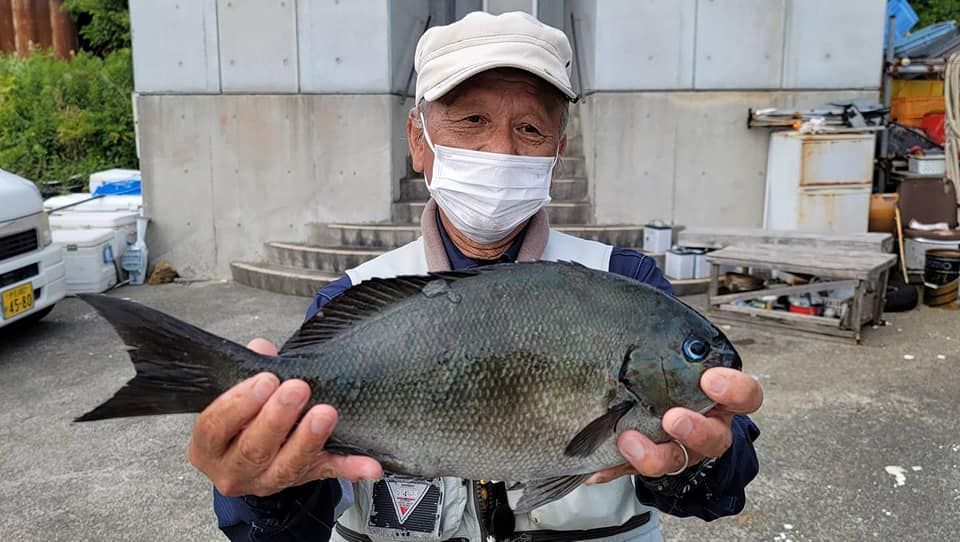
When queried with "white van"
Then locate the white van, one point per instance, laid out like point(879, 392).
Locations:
point(32, 274)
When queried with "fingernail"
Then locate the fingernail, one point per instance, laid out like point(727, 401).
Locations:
point(718, 385)
point(632, 447)
point(319, 423)
point(682, 427)
point(263, 388)
point(291, 397)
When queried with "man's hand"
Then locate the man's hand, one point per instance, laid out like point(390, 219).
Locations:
point(703, 435)
point(243, 443)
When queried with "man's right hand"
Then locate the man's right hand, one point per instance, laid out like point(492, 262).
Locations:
point(243, 440)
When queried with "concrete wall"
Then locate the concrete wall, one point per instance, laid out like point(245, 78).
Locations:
point(225, 173)
point(683, 157)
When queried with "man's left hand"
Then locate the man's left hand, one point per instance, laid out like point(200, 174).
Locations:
point(704, 435)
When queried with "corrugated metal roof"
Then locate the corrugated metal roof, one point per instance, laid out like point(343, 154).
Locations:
point(932, 41)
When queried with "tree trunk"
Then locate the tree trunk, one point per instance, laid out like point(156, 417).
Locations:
point(41, 23)
point(23, 25)
point(7, 42)
point(64, 33)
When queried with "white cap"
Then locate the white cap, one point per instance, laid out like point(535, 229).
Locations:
point(448, 55)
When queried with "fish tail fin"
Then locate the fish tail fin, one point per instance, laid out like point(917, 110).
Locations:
point(180, 367)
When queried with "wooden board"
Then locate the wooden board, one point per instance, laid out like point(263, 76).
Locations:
point(724, 237)
point(784, 316)
point(820, 333)
point(814, 261)
point(788, 290)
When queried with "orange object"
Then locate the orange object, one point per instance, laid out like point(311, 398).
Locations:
point(882, 211)
point(911, 109)
point(933, 125)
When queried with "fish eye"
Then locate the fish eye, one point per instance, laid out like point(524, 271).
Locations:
point(695, 349)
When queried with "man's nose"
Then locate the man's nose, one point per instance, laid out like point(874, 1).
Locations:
point(501, 141)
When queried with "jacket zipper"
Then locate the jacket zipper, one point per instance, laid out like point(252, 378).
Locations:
point(478, 511)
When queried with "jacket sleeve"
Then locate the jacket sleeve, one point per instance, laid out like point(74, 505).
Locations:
point(708, 490)
point(304, 512)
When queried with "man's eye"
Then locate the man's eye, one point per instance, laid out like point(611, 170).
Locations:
point(530, 129)
point(473, 118)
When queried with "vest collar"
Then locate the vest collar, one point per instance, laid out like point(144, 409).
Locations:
point(534, 241)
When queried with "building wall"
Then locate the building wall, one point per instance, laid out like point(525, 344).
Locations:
point(667, 85)
point(256, 119)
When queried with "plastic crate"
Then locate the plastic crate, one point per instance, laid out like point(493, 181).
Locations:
point(911, 109)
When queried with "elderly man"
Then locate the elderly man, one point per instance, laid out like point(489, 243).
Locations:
point(492, 100)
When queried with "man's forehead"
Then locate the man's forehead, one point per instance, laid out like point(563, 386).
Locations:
point(500, 81)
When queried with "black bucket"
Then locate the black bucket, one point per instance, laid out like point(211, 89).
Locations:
point(941, 277)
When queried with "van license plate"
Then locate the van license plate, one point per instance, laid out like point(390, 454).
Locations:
point(17, 300)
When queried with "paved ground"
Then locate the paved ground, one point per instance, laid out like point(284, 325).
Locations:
point(836, 419)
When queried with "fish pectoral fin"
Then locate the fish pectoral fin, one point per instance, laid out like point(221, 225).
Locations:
point(540, 492)
point(598, 431)
point(339, 447)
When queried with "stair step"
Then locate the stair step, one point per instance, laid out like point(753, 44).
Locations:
point(570, 166)
point(280, 278)
point(395, 235)
point(559, 212)
point(335, 259)
point(568, 189)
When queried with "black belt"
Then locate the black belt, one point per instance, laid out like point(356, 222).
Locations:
point(584, 534)
point(534, 536)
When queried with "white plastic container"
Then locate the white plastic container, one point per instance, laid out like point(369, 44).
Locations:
point(935, 164)
point(916, 251)
point(110, 175)
point(701, 268)
point(123, 224)
point(681, 263)
point(657, 238)
point(89, 259)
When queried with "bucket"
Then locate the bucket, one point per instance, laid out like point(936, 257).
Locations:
point(941, 277)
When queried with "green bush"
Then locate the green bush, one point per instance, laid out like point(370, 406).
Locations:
point(61, 119)
point(104, 25)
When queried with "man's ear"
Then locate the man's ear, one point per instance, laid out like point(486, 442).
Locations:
point(415, 141)
point(563, 145)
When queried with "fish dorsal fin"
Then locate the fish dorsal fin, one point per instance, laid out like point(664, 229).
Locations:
point(366, 299)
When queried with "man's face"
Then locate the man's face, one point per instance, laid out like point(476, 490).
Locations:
point(504, 111)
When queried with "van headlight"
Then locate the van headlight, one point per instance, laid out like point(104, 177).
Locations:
point(46, 238)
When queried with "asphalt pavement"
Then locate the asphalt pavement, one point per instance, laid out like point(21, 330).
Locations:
point(859, 442)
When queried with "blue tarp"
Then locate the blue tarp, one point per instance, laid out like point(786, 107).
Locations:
point(119, 188)
point(906, 19)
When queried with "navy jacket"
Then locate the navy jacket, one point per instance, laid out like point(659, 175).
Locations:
point(307, 512)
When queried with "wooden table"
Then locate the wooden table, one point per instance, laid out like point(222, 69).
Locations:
point(866, 272)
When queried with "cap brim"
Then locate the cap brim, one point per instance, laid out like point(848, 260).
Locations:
point(460, 76)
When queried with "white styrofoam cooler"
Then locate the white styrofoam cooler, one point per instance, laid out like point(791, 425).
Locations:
point(88, 258)
point(99, 205)
point(122, 223)
point(657, 238)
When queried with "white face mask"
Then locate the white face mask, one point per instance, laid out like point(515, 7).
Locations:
point(485, 194)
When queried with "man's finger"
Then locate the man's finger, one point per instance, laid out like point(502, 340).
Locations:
point(263, 346)
point(612, 473)
point(709, 436)
point(736, 392)
point(226, 416)
point(350, 467)
point(299, 454)
point(650, 459)
point(257, 445)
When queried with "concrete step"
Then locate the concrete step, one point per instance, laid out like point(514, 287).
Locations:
point(395, 235)
point(559, 212)
point(570, 166)
point(336, 259)
point(280, 278)
point(570, 189)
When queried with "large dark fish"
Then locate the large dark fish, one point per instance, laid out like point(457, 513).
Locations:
point(520, 372)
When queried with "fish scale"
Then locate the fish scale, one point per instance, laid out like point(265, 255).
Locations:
point(520, 372)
